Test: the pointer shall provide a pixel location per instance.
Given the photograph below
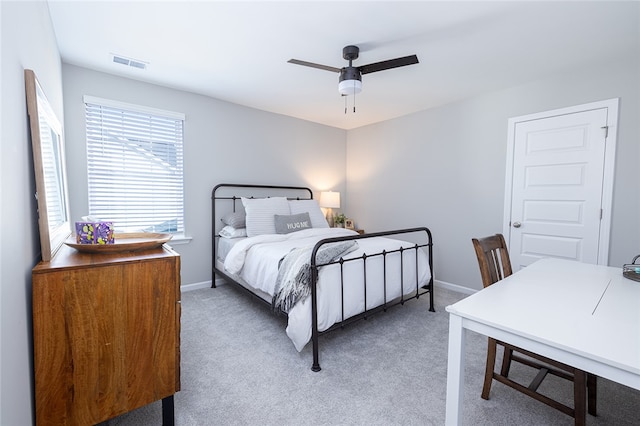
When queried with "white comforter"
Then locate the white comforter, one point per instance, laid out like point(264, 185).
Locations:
point(256, 259)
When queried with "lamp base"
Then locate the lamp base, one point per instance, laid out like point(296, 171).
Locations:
point(329, 218)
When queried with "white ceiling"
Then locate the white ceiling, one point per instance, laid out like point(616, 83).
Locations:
point(237, 51)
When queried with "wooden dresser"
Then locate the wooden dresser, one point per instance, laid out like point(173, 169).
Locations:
point(106, 334)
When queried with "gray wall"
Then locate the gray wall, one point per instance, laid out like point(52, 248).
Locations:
point(223, 143)
point(445, 168)
point(28, 41)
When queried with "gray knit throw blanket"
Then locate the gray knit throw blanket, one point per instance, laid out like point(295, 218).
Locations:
point(294, 273)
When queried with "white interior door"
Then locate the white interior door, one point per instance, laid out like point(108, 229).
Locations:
point(559, 184)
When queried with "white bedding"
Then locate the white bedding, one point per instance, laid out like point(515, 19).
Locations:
point(224, 246)
point(256, 259)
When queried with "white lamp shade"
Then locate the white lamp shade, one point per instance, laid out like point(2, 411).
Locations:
point(350, 87)
point(330, 199)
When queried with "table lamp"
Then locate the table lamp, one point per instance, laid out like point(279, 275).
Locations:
point(330, 200)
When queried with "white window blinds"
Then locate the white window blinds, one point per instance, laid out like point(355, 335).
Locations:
point(135, 166)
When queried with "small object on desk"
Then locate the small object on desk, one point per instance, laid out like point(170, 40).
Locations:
point(359, 231)
point(632, 270)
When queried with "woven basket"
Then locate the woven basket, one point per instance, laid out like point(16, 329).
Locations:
point(632, 270)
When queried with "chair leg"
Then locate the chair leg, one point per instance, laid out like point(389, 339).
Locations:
point(584, 385)
point(488, 372)
point(580, 397)
point(506, 362)
point(592, 392)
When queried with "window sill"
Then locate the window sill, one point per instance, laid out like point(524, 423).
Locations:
point(179, 239)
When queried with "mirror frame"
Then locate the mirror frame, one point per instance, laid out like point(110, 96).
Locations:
point(49, 168)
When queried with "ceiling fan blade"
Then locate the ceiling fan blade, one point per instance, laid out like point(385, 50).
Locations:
point(312, 65)
point(386, 65)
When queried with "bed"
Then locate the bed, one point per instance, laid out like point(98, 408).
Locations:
point(275, 243)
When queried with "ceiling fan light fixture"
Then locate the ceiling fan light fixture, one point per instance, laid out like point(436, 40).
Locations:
point(350, 87)
point(350, 81)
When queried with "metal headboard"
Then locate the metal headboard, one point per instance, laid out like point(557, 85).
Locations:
point(232, 193)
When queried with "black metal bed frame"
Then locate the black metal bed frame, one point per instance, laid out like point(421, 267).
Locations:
point(315, 267)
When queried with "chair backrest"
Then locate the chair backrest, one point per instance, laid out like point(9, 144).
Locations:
point(493, 258)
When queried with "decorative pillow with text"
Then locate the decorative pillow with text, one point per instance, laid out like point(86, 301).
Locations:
point(286, 224)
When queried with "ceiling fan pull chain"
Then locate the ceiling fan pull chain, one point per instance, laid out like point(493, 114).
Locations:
point(345, 104)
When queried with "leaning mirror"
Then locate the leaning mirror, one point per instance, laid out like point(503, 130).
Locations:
point(49, 167)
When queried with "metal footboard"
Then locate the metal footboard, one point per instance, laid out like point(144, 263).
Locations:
point(419, 289)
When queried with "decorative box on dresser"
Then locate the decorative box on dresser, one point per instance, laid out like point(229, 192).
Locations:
point(106, 331)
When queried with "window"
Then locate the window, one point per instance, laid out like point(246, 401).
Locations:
point(135, 166)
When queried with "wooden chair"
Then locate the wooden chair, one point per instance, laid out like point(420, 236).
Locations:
point(494, 262)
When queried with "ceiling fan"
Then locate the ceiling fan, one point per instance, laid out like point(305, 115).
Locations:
point(350, 80)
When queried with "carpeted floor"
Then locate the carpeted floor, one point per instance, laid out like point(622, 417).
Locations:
point(238, 367)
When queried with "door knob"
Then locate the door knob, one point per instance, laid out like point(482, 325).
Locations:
point(517, 224)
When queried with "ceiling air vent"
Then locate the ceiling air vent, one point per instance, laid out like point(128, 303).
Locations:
point(130, 62)
point(137, 64)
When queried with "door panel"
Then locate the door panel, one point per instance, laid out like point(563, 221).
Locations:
point(557, 187)
point(550, 246)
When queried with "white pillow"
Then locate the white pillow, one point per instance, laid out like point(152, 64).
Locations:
point(260, 214)
point(231, 232)
point(313, 208)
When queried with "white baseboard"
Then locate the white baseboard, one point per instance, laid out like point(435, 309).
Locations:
point(437, 283)
point(204, 284)
point(454, 287)
point(196, 286)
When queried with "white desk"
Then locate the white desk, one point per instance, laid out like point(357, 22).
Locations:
point(587, 316)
